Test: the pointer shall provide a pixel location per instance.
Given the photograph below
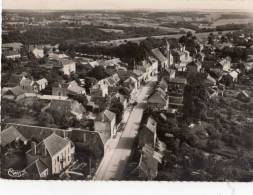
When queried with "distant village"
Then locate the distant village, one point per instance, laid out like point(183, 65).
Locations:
point(62, 113)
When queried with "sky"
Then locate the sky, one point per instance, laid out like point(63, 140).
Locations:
point(246, 5)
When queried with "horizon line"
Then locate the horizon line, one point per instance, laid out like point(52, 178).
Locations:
point(137, 9)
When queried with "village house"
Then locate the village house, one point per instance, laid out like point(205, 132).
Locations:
point(112, 62)
point(26, 84)
point(33, 86)
point(248, 66)
point(194, 66)
point(158, 100)
point(200, 57)
point(105, 125)
point(36, 170)
point(68, 66)
point(10, 137)
point(181, 58)
point(99, 90)
point(163, 62)
point(148, 134)
point(163, 84)
point(132, 85)
point(10, 54)
point(149, 162)
point(175, 102)
point(59, 90)
point(151, 69)
point(37, 51)
point(210, 81)
point(123, 95)
point(231, 77)
point(88, 140)
point(224, 64)
point(13, 93)
point(170, 74)
point(176, 86)
point(75, 89)
point(93, 64)
point(55, 152)
point(57, 56)
point(39, 85)
point(15, 46)
point(181, 55)
point(243, 96)
point(175, 92)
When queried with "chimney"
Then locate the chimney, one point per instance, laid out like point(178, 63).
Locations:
point(44, 151)
point(64, 134)
point(34, 148)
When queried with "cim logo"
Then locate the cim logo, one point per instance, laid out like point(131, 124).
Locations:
point(16, 173)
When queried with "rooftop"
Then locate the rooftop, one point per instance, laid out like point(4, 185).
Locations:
point(11, 134)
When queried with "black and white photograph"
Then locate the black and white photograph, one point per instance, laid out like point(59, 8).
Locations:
point(144, 90)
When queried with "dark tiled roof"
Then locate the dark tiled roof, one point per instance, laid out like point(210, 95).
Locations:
point(11, 134)
point(36, 167)
point(151, 125)
point(157, 53)
point(54, 143)
point(157, 98)
point(17, 91)
point(178, 80)
point(103, 129)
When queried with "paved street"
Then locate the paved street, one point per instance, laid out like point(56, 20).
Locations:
point(113, 164)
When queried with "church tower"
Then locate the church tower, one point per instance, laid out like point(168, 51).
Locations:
point(168, 54)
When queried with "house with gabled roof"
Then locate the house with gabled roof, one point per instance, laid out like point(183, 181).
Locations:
point(67, 106)
point(40, 84)
point(105, 125)
point(176, 85)
point(75, 89)
point(37, 51)
point(93, 64)
point(162, 60)
point(26, 84)
point(148, 133)
point(194, 66)
point(15, 46)
point(14, 93)
point(55, 152)
point(10, 136)
point(36, 170)
point(149, 162)
point(158, 100)
point(224, 64)
point(10, 54)
point(68, 66)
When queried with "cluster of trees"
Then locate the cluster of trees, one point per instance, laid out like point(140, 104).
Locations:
point(129, 52)
point(190, 42)
point(195, 98)
point(182, 25)
point(54, 35)
point(7, 109)
point(117, 108)
point(59, 34)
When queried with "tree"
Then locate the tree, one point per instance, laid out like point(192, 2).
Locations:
point(195, 97)
point(117, 108)
point(98, 72)
point(211, 39)
point(46, 119)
